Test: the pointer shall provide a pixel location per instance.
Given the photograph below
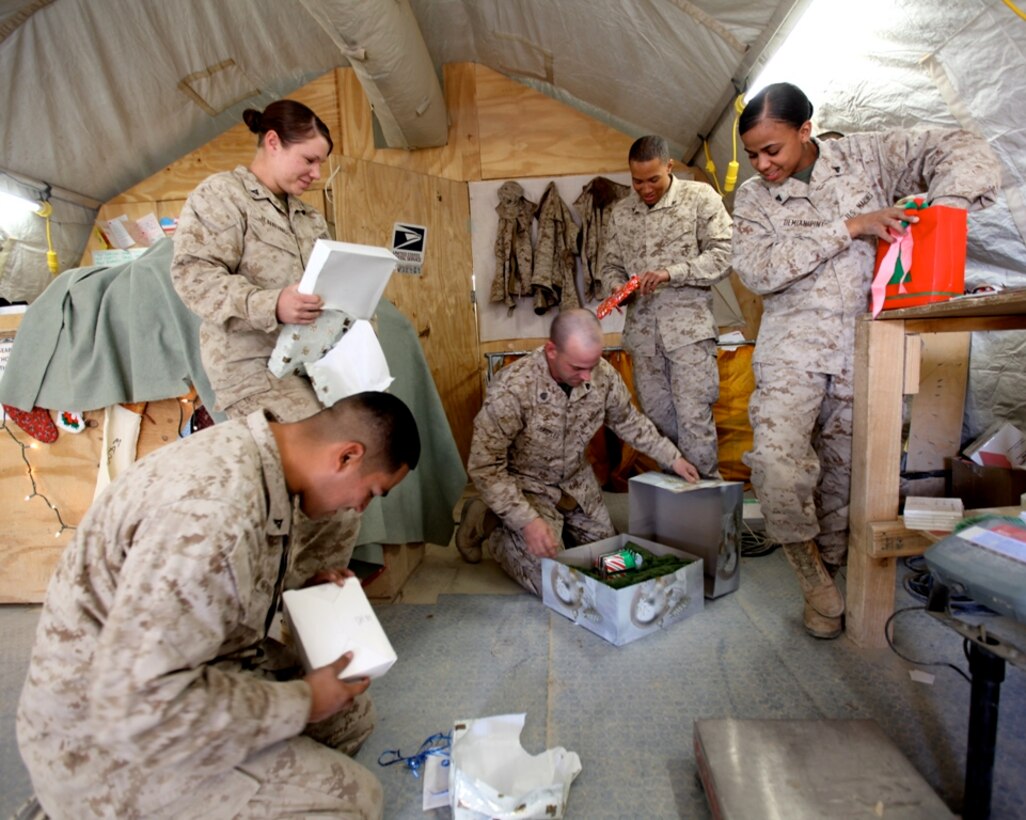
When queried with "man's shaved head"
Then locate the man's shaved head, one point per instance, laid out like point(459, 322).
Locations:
point(577, 324)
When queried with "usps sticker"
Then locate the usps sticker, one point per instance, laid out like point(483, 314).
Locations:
point(408, 244)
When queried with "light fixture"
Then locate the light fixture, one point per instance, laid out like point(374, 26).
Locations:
point(15, 206)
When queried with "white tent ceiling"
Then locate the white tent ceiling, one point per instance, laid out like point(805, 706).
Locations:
point(93, 96)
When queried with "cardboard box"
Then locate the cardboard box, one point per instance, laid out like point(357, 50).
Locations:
point(1001, 445)
point(400, 560)
point(702, 519)
point(621, 615)
point(980, 487)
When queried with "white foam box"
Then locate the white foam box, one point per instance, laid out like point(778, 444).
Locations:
point(330, 619)
point(626, 614)
point(703, 519)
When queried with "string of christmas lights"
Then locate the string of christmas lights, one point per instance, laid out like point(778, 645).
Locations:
point(32, 479)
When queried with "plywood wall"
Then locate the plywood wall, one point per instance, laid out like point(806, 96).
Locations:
point(64, 475)
point(369, 199)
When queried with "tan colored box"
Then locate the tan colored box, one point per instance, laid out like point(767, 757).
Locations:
point(400, 562)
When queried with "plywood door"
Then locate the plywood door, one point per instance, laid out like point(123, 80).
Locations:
point(369, 199)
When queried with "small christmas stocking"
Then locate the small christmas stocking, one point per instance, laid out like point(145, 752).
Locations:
point(37, 423)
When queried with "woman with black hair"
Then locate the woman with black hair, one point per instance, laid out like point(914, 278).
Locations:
point(805, 238)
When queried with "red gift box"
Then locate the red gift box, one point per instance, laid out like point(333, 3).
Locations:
point(929, 267)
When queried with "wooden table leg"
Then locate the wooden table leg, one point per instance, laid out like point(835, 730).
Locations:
point(876, 464)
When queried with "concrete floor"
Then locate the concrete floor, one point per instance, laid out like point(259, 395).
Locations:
point(927, 721)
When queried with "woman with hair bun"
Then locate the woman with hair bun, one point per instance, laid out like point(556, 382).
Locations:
point(805, 238)
point(241, 246)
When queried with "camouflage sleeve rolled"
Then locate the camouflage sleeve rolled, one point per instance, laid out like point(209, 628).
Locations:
point(209, 245)
point(156, 693)
point(767, 261)
point(634, 427)
point(713, 231)
point(954, 167)
point(614, 272)
point(497, 424)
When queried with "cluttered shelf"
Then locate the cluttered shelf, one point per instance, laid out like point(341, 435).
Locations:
point(889, 363)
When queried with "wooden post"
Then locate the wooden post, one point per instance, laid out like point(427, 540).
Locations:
point(876, 463)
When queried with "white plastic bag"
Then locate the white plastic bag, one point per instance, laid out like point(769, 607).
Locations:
point(492, 776)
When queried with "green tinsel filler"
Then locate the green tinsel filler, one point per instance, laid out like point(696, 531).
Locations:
point(653, 566)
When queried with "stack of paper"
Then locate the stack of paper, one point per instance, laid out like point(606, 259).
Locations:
point(924, 513)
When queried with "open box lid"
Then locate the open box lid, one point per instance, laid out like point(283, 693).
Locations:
point(347, 276)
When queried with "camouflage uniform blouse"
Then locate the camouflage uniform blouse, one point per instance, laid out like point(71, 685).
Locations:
point(132, 692)
point(791, 244)
point(687, 232)
point(530, 437)
point(236, 246)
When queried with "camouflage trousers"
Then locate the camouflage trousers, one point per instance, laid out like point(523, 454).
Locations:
point(322, 544)
point(801, 456)
point(677, 390)
point(310, 774)
point(572, 527)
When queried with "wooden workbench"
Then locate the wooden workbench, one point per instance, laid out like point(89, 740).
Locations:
point(890, 362)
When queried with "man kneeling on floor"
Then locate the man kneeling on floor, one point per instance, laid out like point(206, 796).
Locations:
point(527, 457)
point(150, 691)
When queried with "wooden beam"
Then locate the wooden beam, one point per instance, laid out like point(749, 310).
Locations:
point(891, 539)
point(876, 462)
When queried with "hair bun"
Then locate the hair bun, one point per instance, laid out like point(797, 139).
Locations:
point(253, 119)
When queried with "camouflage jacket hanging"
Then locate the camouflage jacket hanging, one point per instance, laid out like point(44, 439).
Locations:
point(595, 205)
point(514, 256)
point(555, 255)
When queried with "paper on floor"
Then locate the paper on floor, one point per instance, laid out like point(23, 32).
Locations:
point(492, 776)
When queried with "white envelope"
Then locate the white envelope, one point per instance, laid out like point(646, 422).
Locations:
point(347, 276)
point(328, 620)
point(356, 363)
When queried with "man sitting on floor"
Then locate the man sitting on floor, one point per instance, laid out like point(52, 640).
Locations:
point(150, 691)
point(527, 456)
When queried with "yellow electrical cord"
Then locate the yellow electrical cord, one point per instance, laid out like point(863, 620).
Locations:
point(45, 210)
point(1015, 8)
point(732, 167)
point(730, 179)
point(710, 167)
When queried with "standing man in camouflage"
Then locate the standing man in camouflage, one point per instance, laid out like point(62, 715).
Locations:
point(675, 236)
point(527, 456)
point(150, 691)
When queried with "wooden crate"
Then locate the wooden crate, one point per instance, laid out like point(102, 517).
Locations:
point(400, 562)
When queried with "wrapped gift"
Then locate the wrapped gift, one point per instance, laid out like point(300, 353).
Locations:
point(926, 263)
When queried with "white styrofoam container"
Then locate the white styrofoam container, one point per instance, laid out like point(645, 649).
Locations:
point(621, 615)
